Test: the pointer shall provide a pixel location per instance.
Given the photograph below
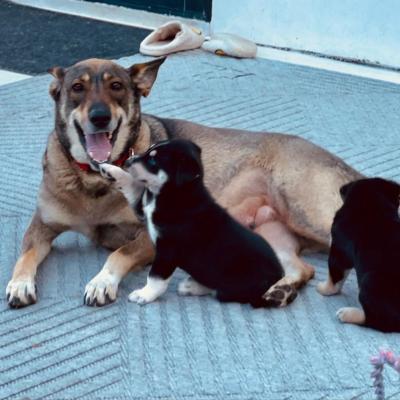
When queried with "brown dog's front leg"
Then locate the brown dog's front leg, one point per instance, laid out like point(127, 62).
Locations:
point(21, 290)
point(102, 289)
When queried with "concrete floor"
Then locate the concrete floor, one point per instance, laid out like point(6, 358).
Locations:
point(192, 348)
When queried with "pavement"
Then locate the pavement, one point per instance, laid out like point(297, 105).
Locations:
point(192, 348)
point(39, 39)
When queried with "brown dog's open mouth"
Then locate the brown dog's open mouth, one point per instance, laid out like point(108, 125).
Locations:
point(98, 145)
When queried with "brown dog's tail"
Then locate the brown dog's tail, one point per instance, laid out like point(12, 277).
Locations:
point(278, 295)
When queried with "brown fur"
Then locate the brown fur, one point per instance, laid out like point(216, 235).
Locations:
point(249, 173)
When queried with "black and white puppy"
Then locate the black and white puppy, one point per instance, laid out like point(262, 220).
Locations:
point(366, 236)
point(192, 232)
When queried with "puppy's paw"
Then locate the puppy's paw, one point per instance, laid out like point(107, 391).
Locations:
point(21, 293)
point(105, 171)
point(115, 174)
point(351, 315)
point(101, 290)
point(189, 287)
point(123, 182)
point(280, 295)
point(328, 288)
point(141, 296)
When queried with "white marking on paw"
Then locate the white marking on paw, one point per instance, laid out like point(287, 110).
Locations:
point(124, 182)
point(190, 287)
point(328, 288)
point(112, 171)
point(351, 315)
point(154, 288)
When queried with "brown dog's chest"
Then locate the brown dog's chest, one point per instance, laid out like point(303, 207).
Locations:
point(84, 210)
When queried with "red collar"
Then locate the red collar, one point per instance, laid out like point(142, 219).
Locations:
point(119, 162)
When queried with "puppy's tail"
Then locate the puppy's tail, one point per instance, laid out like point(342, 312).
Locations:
point(278, 295)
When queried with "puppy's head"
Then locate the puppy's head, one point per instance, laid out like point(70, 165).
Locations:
point(371, 191)
point(97, 107)
point(177, 162)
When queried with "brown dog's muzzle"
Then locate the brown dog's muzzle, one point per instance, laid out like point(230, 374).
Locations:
point(100, 116)
point(99, 130)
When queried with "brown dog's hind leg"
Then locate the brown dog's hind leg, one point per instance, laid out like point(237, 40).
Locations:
point(246, 200)
point(102, 289)
point(297, 272)
point(21, 290)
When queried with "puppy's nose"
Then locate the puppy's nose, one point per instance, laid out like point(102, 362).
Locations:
point(100, 116)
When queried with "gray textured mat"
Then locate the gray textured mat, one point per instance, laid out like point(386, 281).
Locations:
point(192, 348)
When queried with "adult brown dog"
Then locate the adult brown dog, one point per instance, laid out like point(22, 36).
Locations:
point(284, 187)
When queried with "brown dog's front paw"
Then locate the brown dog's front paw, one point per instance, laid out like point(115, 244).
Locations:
point(21, 293)
point(101, 290)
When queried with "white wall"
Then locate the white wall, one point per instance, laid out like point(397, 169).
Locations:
point(361, 29)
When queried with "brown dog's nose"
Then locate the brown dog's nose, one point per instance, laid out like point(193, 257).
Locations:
point(100, 115)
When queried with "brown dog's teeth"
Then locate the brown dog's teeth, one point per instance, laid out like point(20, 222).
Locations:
point(110, 136)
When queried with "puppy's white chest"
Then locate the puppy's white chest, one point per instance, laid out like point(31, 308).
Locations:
point(149, 207)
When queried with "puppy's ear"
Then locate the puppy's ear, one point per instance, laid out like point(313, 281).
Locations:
point(196, 148)
point(344, 190)
point(392, 191)
point(144, 75)
point(188, 170)
point(55, 86)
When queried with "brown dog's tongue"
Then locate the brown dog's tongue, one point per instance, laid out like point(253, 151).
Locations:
point(98, 146)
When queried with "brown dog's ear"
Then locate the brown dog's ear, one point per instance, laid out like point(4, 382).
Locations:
point(57, 72)
point(55, 86)
point(144, 75)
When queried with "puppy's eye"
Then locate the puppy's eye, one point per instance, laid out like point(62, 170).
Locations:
point(151, 161)
point(78, 87)
point(116, 86)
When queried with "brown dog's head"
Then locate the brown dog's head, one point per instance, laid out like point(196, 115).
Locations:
point(98, 107)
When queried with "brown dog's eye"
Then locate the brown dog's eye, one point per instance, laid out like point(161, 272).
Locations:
point(77, 87)
point(116, 86)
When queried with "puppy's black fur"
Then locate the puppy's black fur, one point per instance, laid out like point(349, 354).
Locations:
point(199, 236)
point(366, 236)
